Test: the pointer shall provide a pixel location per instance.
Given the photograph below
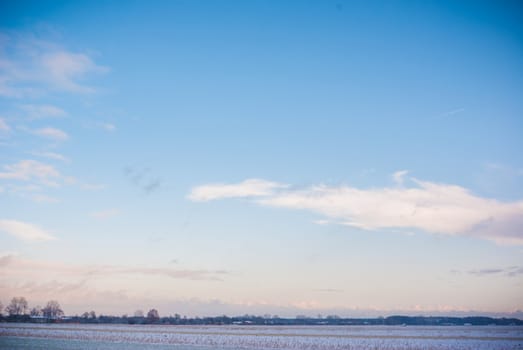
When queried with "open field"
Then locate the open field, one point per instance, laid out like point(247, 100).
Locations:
point(80, 337)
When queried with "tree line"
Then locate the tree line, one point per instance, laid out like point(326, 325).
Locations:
point(18, 311)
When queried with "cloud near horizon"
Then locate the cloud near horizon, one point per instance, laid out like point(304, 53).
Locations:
point(426, 206)
point(45, 278)
point(13, 264)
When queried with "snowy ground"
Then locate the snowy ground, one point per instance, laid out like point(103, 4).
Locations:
point(258, 337)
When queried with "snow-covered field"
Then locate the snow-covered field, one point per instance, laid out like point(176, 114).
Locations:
point(68, 336)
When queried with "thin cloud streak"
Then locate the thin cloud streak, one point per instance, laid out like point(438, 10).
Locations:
point(105, 214)
point(51, 133)
point(247, 188)
point(42, 111)
point(106, 126)
point(25, 231)
point(51, 155)
point(512, 271)
point(32, 171)
point(12, 264)
point(399, 177)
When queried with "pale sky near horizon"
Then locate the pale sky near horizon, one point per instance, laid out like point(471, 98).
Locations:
point(361, 158)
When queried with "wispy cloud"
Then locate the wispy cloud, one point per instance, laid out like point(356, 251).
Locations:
point(42, 111)
point(66, 68)
point(106, 126)
point(105, 214)
point(427, 206)
point(32, 170)
point(42, 198)
point(3, 126)
point(511, 271)
point(15, 265)
point(31, 179)
point(51, 155)
point(399, 177)
point(451, 112)
point(25, 231)
point(51, 133)
point(484, 272)
point(247, 188)
point(31, 67)
point(99, 125)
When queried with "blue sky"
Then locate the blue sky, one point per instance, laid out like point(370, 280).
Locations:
point(204, 157)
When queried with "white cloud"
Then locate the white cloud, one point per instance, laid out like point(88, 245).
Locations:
point(65, 68)
point(23, 267)
point(42, 198)
point(52, 133)
point(451, 113)
point(107, 126)
point(31, 170)
point(3, 125)
point(51, 155)
point(43, 111)
point(25, 231)
point(105, 214)
point(32, 67)
point(247, 188)
point(398, 176)
point(430, 207)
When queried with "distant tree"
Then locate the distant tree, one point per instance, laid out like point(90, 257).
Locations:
point(85, 315)
point(153, 316)
point(92, 315)
point(1, 308)
point(18, 306)
point(36, 311)
point(138, 313)
point(52, 310)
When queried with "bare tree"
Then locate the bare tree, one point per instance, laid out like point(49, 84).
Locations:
point(92, 315)
point(18, 306)
point(153, 316)
point(52, 310)
point(36, 311)
point(138, 313)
